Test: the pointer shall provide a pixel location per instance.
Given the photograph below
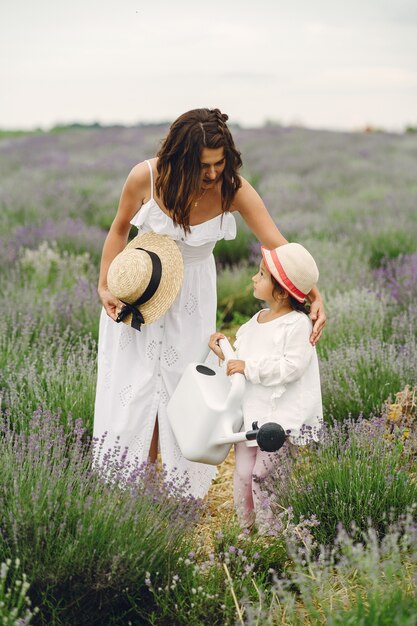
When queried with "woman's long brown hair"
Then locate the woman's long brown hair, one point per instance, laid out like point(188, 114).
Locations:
point(179, 167)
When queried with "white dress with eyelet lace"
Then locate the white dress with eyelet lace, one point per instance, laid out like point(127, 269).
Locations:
point(138, 371)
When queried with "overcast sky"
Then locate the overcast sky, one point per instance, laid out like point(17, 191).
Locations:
point(321, 63)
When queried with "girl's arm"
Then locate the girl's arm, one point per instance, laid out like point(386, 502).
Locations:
point(281, 369)
point(133, 194)
point(251, 207)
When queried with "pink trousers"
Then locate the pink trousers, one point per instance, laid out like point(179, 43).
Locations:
point(252, 502)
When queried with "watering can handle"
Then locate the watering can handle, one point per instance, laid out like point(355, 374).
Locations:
point(237, 380)
point(227, 349)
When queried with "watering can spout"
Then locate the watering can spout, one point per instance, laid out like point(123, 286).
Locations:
point(270, 437)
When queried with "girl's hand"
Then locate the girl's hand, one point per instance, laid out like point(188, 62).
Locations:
point(214, 345)
point(235, 366)
point(111, 304)
point(318, 317)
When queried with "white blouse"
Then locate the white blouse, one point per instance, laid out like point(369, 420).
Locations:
point(282, 373)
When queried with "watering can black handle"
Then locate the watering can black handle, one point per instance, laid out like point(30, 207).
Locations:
point(270, 437)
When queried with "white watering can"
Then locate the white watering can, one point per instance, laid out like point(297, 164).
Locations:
point(205, 413)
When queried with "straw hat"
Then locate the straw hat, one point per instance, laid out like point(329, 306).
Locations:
point(146, 276)
point(293, 267)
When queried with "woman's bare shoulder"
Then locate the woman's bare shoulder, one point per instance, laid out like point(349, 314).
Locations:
point(139, 173)
point(245, 196)
point(138, 182)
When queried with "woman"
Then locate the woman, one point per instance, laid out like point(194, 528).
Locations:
point(189, 192)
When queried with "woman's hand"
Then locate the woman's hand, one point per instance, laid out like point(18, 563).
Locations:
point(235, 366)
point(318, 316)
point(214, 344)
point(111, 304)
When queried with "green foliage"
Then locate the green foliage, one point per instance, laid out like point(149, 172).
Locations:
point(357, 378)
point(235, 295)
point(19, 133)
point(370, 582)
point(214, 588)
point(390, 608)
point(235, 251)
point(60, 128)
point(355, 475)
point(86, 538)
point(14, 602)
point(388, 245)
point(353, 315)
point(51, 286)
point(47, 367)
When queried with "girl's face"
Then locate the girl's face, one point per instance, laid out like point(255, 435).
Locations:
point(262, 284)
point(212, 161)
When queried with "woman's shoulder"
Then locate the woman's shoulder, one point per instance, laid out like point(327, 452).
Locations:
point(244, 194)
point(138, 182)
point(140, 171)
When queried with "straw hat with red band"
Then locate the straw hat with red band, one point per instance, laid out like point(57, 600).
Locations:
point(293, 267)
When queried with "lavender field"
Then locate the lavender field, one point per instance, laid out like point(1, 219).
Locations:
point(91, 556)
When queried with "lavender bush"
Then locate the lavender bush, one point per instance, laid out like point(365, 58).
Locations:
point(356, 379)
point(51, 286)
point(404, 327)
point(42, 365)
point(342, 264)
point(77, 174)
point(390, 244)
point(350, 199)
point(355, 475)
point(69, 235)
point(398, 278)
point(370, 582)
point(48, 334)
point(355, 316)
point(86, 537)
point(214, 587)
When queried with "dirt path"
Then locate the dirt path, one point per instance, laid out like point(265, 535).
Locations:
point(220, 502)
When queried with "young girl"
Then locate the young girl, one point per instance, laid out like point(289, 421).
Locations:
point(280, 365)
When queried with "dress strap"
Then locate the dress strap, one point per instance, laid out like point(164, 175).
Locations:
point(150, 169)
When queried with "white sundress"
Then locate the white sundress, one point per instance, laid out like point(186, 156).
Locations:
point(138, 371)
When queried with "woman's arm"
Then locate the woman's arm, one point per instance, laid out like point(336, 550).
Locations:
point(133, 194)
point(251, 207)
point(249, 204)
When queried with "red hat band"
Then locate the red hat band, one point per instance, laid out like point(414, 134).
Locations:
point(289, 285)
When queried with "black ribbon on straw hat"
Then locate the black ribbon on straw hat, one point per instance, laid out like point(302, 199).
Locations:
point(132, 308)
